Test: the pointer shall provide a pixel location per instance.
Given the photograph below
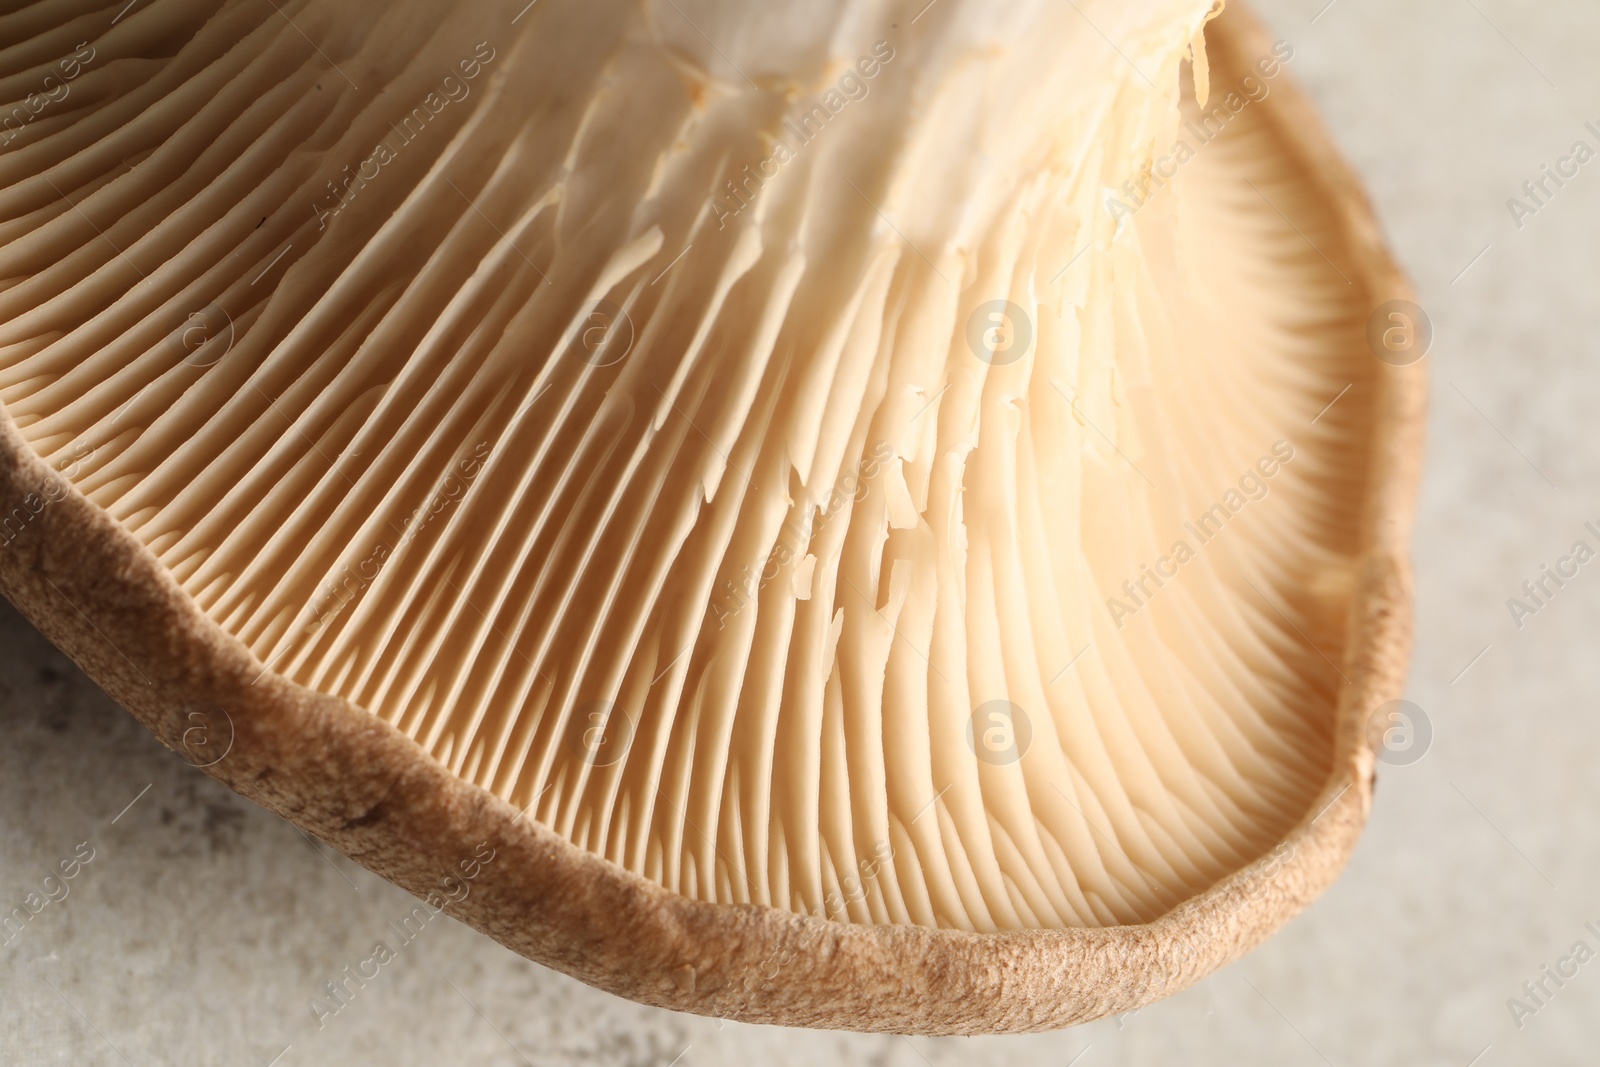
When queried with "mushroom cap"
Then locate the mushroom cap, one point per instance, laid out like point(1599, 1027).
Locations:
point(132, 561)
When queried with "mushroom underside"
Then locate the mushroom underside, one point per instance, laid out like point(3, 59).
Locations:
point(781, 480)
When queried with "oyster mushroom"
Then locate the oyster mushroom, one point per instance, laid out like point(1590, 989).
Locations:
point(857, 525)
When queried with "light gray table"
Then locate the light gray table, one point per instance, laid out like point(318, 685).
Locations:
point(203, 925)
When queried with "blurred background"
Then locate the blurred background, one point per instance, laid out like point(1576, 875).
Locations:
point(201, 925)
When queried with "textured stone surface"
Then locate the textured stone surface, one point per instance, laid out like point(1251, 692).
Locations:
point(203, 925)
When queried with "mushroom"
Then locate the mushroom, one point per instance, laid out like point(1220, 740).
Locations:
point(826, 514)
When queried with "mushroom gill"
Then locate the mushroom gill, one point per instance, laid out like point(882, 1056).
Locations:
point(827, 456)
